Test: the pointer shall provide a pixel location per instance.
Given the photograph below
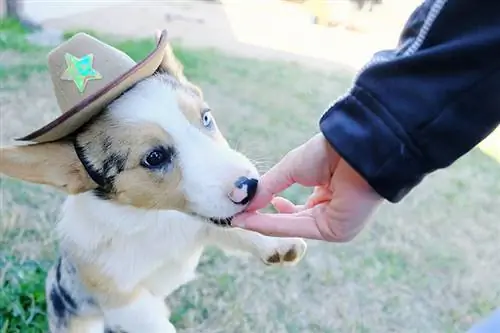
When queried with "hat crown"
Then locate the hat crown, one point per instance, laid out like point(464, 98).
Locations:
point(83, 66)
point(87, 75)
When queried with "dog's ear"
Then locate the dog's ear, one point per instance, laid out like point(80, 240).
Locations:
point(171, 65)
point(55, 164)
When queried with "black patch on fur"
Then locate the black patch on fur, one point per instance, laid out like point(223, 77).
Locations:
point(102, 193)
point(103, 176)
point(66, 298)
point(106, 144)
point(113, 165)
point(98, 178)
point(58, 271)
point(58, 304)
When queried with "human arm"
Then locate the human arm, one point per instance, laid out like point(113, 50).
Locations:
point(422, 106)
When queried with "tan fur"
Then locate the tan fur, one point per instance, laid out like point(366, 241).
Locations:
point(82, 325)
point(136, 186)
point(166, 192)
point(192, 109)
point(99, 284)
point(174, 67)
point(54, 164)
point(95, 279)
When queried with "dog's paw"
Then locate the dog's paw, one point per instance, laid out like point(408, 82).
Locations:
point(288, 251)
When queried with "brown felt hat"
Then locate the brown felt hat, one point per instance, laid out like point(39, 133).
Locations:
point(87, 74)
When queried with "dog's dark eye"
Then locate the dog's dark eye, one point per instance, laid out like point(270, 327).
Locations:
point(206, 118)
point(158, 158)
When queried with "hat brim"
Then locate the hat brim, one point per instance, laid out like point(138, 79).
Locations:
point(77, 116)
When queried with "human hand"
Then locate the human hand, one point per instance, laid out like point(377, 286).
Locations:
point(336, 211)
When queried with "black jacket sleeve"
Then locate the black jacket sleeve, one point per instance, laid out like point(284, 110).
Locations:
point(423, 105)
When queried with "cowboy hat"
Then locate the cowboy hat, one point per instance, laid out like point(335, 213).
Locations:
point(87, 74)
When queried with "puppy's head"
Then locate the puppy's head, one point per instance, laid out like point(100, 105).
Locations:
point(157, 147)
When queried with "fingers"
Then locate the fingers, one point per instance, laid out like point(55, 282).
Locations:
point(276, 180)
point(351, 206)
point(335, 213)
point(285, 206)
point(310, 164)
point(338, 213)
point(320, 195)
point(279, 225)
point(339, 220)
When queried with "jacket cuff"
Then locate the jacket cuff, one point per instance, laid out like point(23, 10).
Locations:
point(369, 139)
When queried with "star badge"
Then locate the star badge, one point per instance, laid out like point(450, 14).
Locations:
point(80, 71)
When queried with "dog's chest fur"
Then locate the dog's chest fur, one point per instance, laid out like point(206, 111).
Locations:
point(127, 251)
point(158, 250)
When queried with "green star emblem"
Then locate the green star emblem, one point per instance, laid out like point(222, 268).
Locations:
point(80, 70)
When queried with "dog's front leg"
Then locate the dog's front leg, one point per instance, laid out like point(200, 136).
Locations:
point(271, 250)
point(144, 313)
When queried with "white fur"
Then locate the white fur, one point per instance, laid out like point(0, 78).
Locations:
point(143, 241)
point(147, 307)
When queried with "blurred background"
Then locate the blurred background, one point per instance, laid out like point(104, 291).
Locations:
point(269, 69)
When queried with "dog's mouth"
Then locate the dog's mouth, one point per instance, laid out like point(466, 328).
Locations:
point(218, 221)
point(243, 192)
point(221, 221)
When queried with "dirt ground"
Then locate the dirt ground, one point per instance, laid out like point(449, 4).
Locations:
point(258, 29)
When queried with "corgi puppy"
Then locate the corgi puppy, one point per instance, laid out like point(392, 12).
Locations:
point(147, 180)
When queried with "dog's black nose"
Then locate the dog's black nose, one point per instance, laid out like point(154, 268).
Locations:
point(244, 190)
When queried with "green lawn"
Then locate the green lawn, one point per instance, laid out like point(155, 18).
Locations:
point(429, 264)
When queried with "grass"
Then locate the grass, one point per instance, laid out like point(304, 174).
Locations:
point(12, 42)
point(22, 296)
point(12, 35)
point(429, 264)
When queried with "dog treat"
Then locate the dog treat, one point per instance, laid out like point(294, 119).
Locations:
point(244, 190)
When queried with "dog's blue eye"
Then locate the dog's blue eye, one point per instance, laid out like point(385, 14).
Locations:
point(157, 158)
point(207, 119)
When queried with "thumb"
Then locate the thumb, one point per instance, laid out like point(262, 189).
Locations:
point(276, 180)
